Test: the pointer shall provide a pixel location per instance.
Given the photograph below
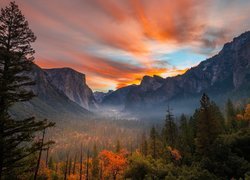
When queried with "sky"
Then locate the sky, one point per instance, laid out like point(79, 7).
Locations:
point(116, 42)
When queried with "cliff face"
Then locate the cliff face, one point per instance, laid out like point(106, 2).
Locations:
point(50, 102)
point(73, 85)
point(228, 72)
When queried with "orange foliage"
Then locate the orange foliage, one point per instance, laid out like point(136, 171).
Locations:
point(113, 163)
point(174, 153)
point(246, 115)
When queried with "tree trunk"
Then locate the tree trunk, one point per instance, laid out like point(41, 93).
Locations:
point(39, 157)
point(81, 163)
point(66, 167)
point(47, 156)
point(87, 166)
point(74, 165)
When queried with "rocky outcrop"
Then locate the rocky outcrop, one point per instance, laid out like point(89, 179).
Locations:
point(49, 102)
point(73, 85)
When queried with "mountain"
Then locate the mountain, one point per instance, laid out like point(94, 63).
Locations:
point(117, 98)
point(99, 96)
point(73, 85)
point(50, 102)
point(224, 75)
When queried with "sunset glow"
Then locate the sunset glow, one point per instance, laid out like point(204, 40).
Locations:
point(115, 43)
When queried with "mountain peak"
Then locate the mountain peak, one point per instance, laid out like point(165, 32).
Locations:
point(237, 43)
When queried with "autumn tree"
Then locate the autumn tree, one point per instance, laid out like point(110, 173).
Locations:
point(16, 56)
point(208, 126)
point(114, 163)
point(245, 116)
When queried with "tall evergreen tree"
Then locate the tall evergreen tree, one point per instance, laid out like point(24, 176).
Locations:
point(170, 129)
point(185, 135)
point(208, 126)
point(155, 145)
point(153, 137)
point(16, 56)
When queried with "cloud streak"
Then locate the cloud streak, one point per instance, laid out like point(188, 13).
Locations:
point(116, 43)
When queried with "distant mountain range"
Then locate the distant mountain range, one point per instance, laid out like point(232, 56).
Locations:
point(224, 75)
point(62, 93)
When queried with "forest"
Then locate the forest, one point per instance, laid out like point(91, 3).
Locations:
point(211, 143)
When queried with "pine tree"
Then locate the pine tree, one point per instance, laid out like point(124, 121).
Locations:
point(184, 134)
point(170, 129)
point(16, 56)
point(208, 126)
point(153, 142)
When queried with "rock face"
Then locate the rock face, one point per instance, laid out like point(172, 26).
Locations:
point(73, 85)
point(99, 96)
point(223, 75)
point(50, 102)
point(118, 97)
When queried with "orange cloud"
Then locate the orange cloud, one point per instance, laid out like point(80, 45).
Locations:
point(70, 33)
point(103, 73)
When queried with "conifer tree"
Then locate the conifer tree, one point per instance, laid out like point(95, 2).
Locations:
point(153, 142)
point(16, 56)
point(170, 129)
point(184, 134)
point(208, 126)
